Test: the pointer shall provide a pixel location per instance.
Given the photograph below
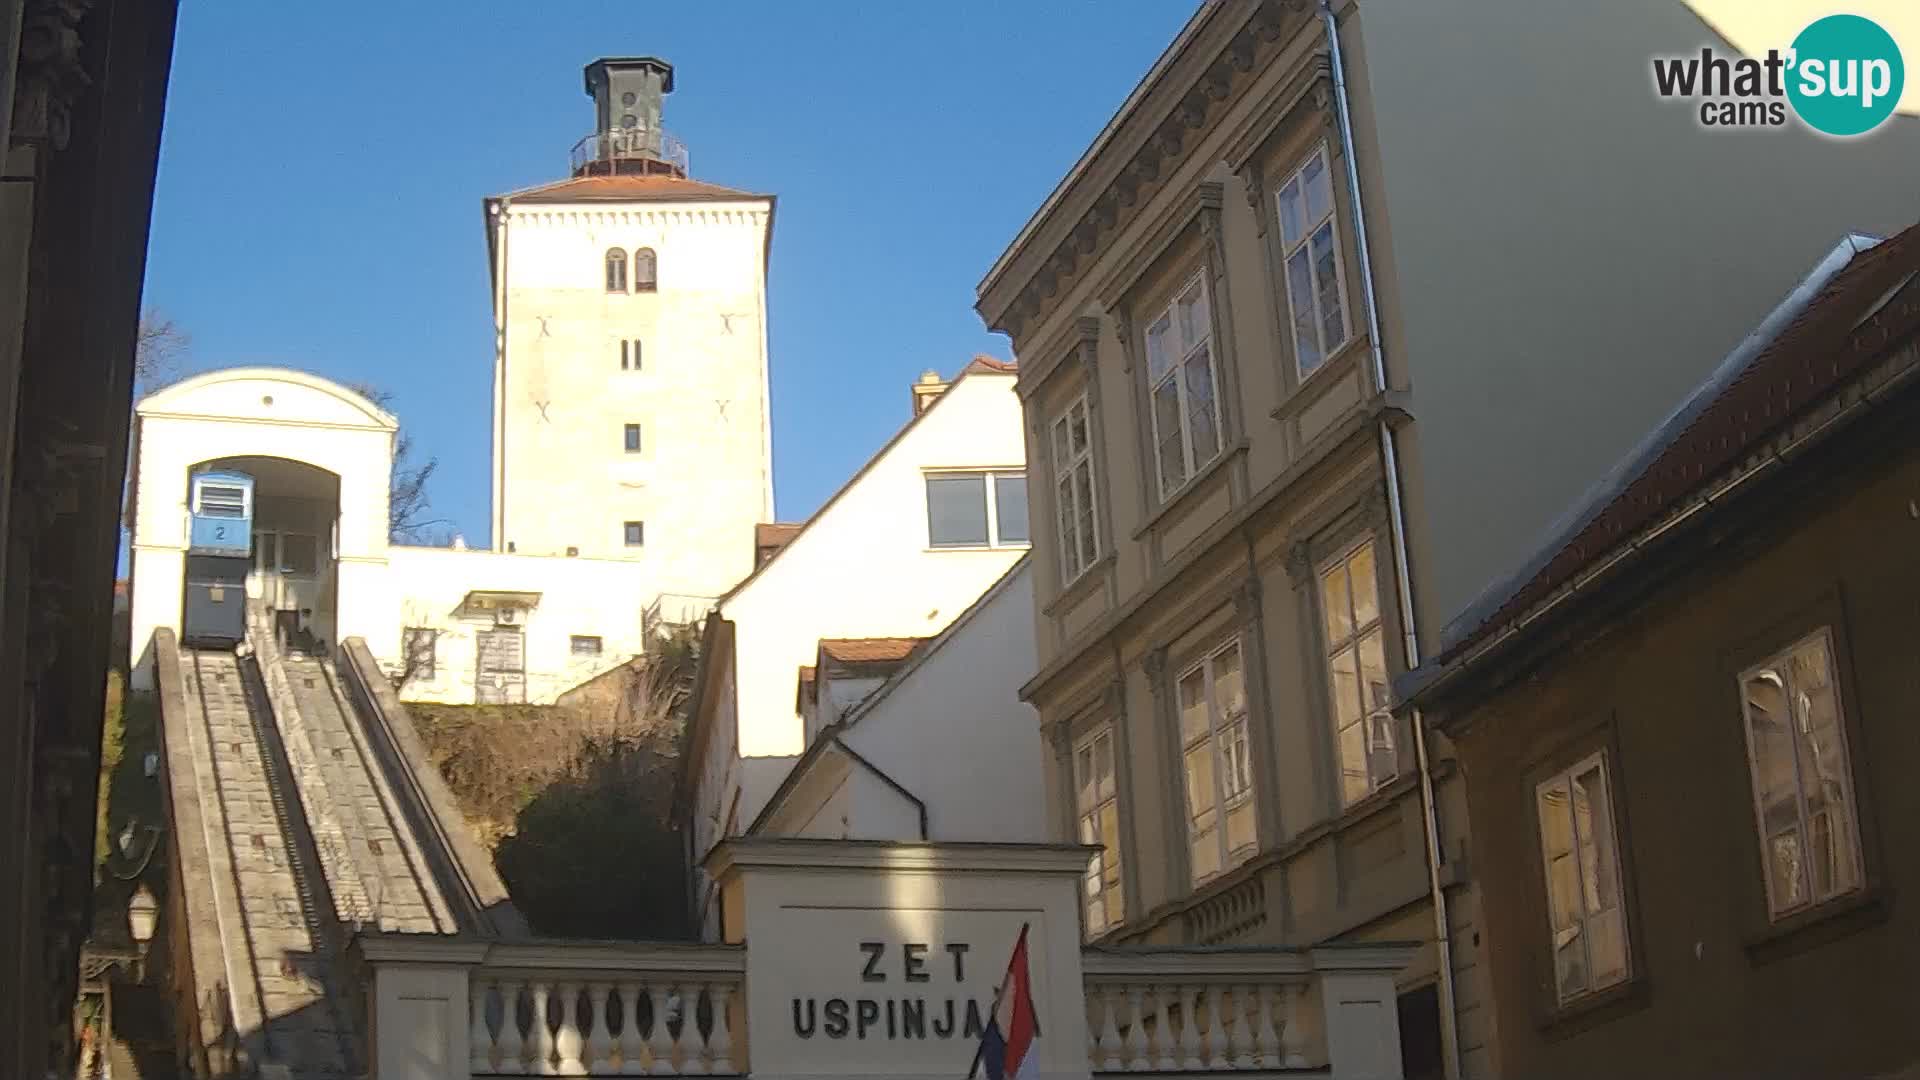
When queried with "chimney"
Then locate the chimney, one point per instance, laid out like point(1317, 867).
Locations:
point(928, 387)
point(628, 96)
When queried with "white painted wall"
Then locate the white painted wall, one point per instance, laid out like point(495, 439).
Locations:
point(266, 412)
point(592, 597)
point(862, 567)
point(952, 730)
point(703, 477)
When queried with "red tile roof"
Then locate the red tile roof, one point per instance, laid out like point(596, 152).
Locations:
point(987, 363)
point(869, 650)
point(1819, 349)
point(656, 188)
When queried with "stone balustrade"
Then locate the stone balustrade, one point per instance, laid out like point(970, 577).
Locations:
point(1193, 1010)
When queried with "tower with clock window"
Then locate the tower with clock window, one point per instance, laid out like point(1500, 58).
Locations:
point(630, 372)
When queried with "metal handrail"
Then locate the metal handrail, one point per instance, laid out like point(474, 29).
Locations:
point(657, 144)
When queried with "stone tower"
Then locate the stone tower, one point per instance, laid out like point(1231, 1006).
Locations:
point(630, 373)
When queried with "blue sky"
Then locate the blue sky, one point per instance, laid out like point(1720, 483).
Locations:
point(323, 166)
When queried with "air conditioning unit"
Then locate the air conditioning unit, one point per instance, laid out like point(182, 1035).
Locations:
point(508, 616)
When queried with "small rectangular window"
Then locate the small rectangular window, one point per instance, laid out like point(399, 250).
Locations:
point(1212, 700)
point(1184, 406)
point(222, 500)
point(1096, 803)
point(977, 509)
point(1580, 853)
point(299, 554)
point(633, 438)
point(1073, 486)
point(1310, 249)
point(1363, 726)
point(417, 645)
point(585, 645)
point(629, 354)
point(636, 533)
point(1803, 799)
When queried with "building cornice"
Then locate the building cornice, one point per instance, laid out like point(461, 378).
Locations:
point(788, 853)
point(752, 214)
point(1134, 159)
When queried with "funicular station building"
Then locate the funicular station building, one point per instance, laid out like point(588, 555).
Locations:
point(872, 832)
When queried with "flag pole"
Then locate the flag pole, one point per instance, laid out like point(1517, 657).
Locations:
point(979, 1052)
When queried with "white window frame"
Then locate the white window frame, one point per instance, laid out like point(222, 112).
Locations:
point(643, 533)
point(1593, 913)
point(1230, 744)
point(1848, 871)
point(635, 445)
point(1291, 246)
point(1182, 353)
point(630, 354)
point(992, 493)
point(599, 645)
point(1378, 737)
point(611, 258)
point(1103, 894)
point(1079, 510)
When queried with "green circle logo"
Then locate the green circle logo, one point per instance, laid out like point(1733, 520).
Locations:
point(1846, 75)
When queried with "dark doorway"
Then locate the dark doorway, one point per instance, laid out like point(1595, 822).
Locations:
point(1420, 1053)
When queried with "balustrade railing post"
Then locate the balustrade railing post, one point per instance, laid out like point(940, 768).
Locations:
point(1293, 1035)
point(1217, 1027)
point(1243, 997)
point(722, 1041)
point(1190, 1025)
point(599, 1038)
point(513, 1061)
point(1163, 1036)
point(479, 1039)
point(632, 1047)
point(693, 1044)
point(542, 1033)
point(1137, 1056)
point(1266, 1053)
point(660, 1040)
point(567, 1043)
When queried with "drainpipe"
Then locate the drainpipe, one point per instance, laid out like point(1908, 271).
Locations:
point(1396, 517)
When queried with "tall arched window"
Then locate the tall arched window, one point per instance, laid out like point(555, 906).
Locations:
point(616, 270)
point(646, 269)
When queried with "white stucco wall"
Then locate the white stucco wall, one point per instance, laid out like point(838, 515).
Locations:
point(260, 412)
point(952, 730)
point(863, 567)
point(703, 477)
point(593, 597)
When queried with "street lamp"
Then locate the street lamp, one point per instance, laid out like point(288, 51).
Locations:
point(142, 912)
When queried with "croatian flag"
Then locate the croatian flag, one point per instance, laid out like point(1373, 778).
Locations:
point(1006, 1048)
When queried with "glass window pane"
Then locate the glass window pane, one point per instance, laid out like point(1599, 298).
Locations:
point(1229, 687)
point(1077, 427)
point(1292, 225)
point(1326, 275)
point(1010, 509)
point(1201, 797)
point(1193, 705)
point(1194, 325)
point(1083, 501)
point(1205, 849)
point(1241, 840)
point(1159, 348)
point(299, 554)
point(1306, 339)
point(1607, 946)
point(1336, 605)
point(1354, 784)
point(1110, 841)
point(1343, 682)
point(1083, 776)
point(957, 510)
point(1236, 761)
point(1770, 746)
point(1593, 828)
point(1823, 775)
point(1202, 409)
point(1373, 673)
point(1319, 186)
point(1069, 550)
point(1062, 444)
point(1166, 417)
point(1366, 586)
point(1103, 765)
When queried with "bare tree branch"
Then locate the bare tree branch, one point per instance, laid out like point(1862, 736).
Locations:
point(407, 501)
point(158, 350)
